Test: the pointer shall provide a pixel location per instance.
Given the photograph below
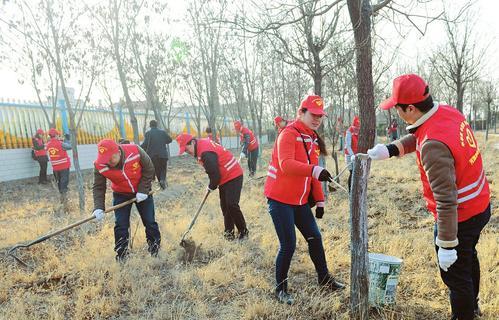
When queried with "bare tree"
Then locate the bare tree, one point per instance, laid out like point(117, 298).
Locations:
point(488, 93)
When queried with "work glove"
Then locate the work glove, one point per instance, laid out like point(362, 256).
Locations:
point(379, 152)
point(319, 210)
point(242, 155)
point(211, 188)
point(446, 258)
point(321, 174)
point(98, 214)
point(140, 197)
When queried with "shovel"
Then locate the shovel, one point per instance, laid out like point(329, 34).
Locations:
point(12, 250)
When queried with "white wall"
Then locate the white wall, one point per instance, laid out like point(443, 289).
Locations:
point(17, 163)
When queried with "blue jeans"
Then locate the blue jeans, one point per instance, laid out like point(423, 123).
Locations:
point(285, 218)
point(463, 277)
point(122, 224)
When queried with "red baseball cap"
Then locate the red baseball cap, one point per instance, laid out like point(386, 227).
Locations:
point(39, 131)
point(407, 89)
point(106, 148)
point(278, 120)
point(53, 132)
point(237, 125)
point(182, 140)
point(314, 104)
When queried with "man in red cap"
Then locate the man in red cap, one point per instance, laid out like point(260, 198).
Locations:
point(280, 123)
point(59, 159)
point(454, 184)
point(131, 173)
point(249, 145)
point(225, 173)
point(351, 144)
point(40, 155)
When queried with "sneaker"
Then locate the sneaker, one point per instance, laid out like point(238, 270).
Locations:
point(330, 283)
point(284, 297)
point(243, 234)
point(229, 235)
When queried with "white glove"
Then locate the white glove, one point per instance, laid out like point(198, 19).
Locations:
point(446, 258)
point(141, 197)
point(242, 155)
point(379, 152)
point(98, 214)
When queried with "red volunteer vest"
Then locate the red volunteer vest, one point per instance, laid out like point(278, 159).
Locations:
point(355, 139)
point(449, 126)
point(126, 179)
point(58, 156)
point(227, 165)
point(39, 153)
point(288, 188)
point(253, 144)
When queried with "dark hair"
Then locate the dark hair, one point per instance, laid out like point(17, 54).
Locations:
point(153, 124)
point(320, 140)
point(208, 130)
point(423, 106)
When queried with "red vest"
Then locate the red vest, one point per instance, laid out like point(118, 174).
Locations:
point(39, 153)
point(449, 126)
point(58, 156)
point(227, 165)
point(291, 188)
point(126, 179)
point(355, 139)
point(253, 144)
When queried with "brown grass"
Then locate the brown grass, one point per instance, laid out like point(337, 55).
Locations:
point(75, 275)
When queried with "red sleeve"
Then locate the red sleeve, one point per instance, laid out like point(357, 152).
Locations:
point(317, 191)
point(286, 156)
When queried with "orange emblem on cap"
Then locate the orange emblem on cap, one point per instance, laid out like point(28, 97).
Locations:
point(318, 102)
point(102, 150)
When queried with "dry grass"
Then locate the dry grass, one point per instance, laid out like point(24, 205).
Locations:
point(75, 275)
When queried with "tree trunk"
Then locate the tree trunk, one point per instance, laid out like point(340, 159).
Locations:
point(487, 123)
point(460, 98)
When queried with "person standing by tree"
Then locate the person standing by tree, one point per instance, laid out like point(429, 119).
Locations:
point(210, 135)
point(60, 161)
point(225, 173)
point(351, 144)
point(454, 184)
point(155, 141)
point(393, 130)
point(40, 155)
point(131, 173)
point(280, 124)
point(249, 145)
point(292, 186)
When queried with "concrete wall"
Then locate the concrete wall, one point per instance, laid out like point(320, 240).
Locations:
point(17, 163)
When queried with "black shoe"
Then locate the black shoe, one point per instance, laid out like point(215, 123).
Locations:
point(251, 174)
point(477, 312)
point(243, 234)
point(284, 297)
point(153, 249)
point(229, 235)
point(122, 258)
point(162, 184)
point(331, 284)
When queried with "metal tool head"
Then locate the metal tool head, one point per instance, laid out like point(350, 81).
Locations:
point(11, 253)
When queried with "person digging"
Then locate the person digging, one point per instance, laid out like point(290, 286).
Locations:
point(131, 173)
point(224, 173)
point(454, 184)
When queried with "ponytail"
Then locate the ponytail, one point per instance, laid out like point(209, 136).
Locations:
point(322, 144)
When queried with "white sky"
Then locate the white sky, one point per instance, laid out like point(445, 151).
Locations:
point(412, 48)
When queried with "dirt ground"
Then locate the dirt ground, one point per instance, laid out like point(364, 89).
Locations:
point(75, 276)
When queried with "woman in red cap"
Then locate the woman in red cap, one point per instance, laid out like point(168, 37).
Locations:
point(280, 123)
point(60, 162)
point(249, 145)
point(40, 155)
point(292, 187)
point(351, 146)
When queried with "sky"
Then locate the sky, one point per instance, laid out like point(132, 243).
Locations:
point(414, 47)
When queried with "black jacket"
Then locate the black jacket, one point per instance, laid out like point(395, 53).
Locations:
point(155, 141)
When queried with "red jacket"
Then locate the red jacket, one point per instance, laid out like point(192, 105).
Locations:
point(125, 180)
point(354, 131)
point(41, 152)
point(289, 177)
point(253, 144)
point(58, 156)
point(227, 165)
point(449, 126)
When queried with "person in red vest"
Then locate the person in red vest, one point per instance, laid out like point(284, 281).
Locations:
point(131, 173)
point(249, 145)
point(454, 184)
point(280, 123)
point(224, 173)
point(351, 146)
point(292, 187)
point(59, 159)
point(210, 135)
point(40, 155)
point(392, 130)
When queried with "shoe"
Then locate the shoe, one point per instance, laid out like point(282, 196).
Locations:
point(251, 174)
point(330, 283)
point(243, 234)
point(284, 297)
point(229, 235)
point(477, 312)
point(153, 249)
point(162, 184)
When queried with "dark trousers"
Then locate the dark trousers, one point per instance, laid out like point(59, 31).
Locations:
point(42, 176)
point(463, 277)
point(122, 224)
point(160, 167)
point(350, 180)
point(62, 179)
point(285, 218)
point(230, 193)
point(252, 158)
